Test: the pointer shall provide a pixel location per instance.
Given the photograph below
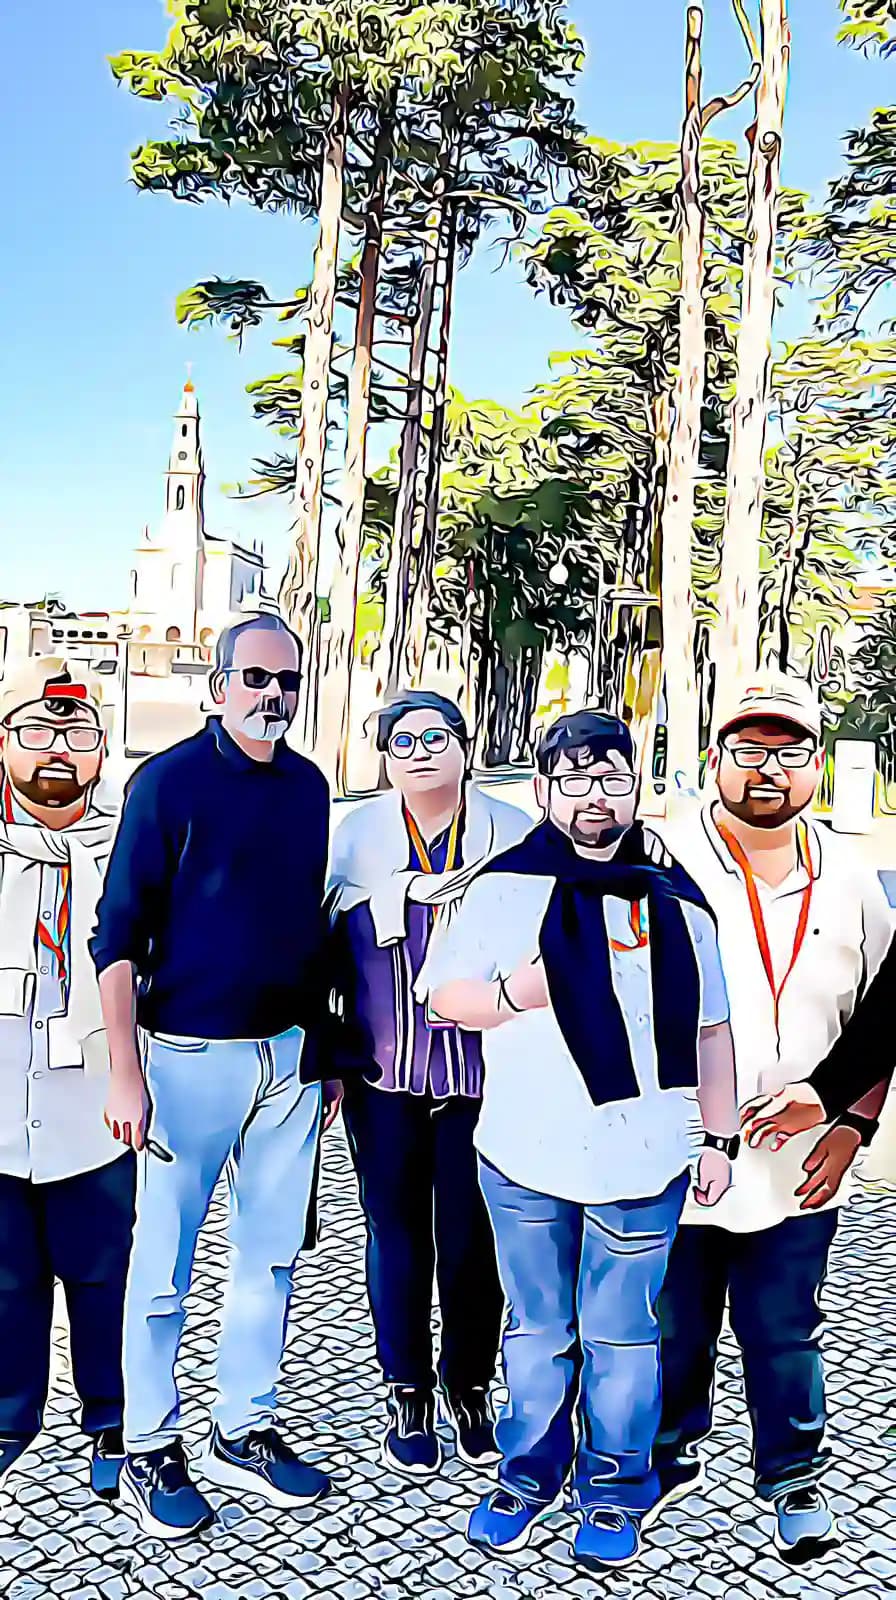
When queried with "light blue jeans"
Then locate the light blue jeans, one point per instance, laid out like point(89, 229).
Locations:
point(216, 1106)
point(581, 1342)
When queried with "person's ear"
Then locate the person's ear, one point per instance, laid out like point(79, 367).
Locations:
point(713, 759)
point(216, 687)
point(542, 790)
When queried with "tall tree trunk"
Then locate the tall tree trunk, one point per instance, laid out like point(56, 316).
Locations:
point(350, 536)
point(737, 635)
point(421, 597)
point(401, 549)
point(298, 593)
point(795, 560)
point(679, 666)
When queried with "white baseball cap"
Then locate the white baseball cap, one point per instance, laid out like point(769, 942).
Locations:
point(773, 697)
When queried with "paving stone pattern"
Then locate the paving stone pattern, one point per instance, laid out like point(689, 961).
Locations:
point(378, 1536)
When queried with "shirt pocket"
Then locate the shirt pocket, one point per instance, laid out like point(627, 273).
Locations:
point(180, 1046)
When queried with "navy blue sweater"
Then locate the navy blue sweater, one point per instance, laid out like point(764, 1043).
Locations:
point(214, 891)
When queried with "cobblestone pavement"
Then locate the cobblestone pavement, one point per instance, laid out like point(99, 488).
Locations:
point(379, 1537)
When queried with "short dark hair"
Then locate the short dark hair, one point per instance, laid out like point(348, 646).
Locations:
point(255, 622)
point(410, 700)
point(594, 733)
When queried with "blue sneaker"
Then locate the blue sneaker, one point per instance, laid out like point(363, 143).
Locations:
point(803, 1522)
point(263, 1464)
point(106, 1463)
point(502, 1521)
point(608, 1537)
point(410, 1444)
point(11, 1447)
point(156, 1490)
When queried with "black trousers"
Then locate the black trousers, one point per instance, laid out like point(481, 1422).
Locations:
point(426, 1217)
point(771, 1281)
point(78, 1230)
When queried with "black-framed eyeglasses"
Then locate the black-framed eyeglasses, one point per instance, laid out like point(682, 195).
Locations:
point(288, 680)
point(434, 742)
point(756, 757)
point(78, 739)
point(575, 785)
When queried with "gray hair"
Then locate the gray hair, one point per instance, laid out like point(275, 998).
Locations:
point(256, 621)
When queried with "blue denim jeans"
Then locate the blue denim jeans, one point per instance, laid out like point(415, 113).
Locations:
point(581, 1343)
point(240, 1108)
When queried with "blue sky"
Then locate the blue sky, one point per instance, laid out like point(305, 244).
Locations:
point(93, 359)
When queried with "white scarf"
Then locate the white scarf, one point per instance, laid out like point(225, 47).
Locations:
point(75, 1038)
point(370, 852)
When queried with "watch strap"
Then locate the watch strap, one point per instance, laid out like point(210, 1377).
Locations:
point(728, 1144)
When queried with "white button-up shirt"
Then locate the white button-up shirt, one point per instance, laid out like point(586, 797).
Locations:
point(849, 929)
point(51, 1119)
point(538, 1124)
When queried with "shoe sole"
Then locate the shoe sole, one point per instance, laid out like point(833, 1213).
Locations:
point(522, 1539)
point(805, 1547)
point(225, 1476)
point(405, 1471)
point(131, 1502)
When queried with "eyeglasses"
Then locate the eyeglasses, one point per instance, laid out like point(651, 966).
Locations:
point(435, 742)
point(755, 758)
point(575, 785)
point(259, 678)
point(37, 736)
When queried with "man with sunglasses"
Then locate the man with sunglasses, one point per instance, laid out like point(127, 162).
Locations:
point(595, 978)
point(410, 1118)
point(66, 1186)
point(803, 926)
point(209, 942)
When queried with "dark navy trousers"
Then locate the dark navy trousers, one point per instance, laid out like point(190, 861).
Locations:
point(79, 1231)
point(771, 1280)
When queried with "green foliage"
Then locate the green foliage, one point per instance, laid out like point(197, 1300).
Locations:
point(870, 25)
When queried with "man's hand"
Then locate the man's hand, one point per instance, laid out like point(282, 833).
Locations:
point(334, 1093)
point(772, 1119)
point(655, 850)
point(826, 1166)
point(713, 1177)
point(127, 1105)
point(527, 986)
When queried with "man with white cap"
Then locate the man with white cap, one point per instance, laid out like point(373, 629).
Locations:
point(803, 926)
point(66, 1187)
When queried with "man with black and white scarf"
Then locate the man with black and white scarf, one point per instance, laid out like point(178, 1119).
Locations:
point(66, 1188)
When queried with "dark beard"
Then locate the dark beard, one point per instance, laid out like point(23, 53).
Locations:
point(763, 816)
point(55, 793)
point(607, 836)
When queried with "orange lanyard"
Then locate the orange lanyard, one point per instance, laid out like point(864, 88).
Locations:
point(423, 854)
point(54, 942)
point(804, 854)
point(638, 927)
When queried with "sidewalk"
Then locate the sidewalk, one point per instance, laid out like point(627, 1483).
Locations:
point(379, 1537)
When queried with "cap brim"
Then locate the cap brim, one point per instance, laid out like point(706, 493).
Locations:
point(742, 719)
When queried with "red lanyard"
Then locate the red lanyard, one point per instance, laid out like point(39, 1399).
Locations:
point(416, 839)
point(51, 941)
point(636, 921)
point(804, 855)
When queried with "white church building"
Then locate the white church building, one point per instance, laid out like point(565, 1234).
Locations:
point(186, 584)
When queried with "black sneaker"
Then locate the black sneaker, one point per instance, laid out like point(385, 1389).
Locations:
point(11, 1447)
point(474, 1423)
point(157, 1491)
point(263, 1464)
point(107, 1462)
point(678, 1478)
point(411, 1445)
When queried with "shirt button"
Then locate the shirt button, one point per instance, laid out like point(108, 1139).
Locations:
point(44, 971)
point(35, 1124)
point(38, 1023)
point(37, 1074)
point(45, 915)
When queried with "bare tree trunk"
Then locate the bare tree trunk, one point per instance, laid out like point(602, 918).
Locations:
point(679, 667)
point(401, 549)
point(421, 597)
point(298, 593)
point(797, 550)
point(737, 635)
point(344, 590)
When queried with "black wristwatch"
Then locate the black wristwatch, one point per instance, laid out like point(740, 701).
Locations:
point(728, 1146)
point(865, 1127)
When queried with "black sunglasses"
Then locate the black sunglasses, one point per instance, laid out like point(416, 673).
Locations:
point(259, 678)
